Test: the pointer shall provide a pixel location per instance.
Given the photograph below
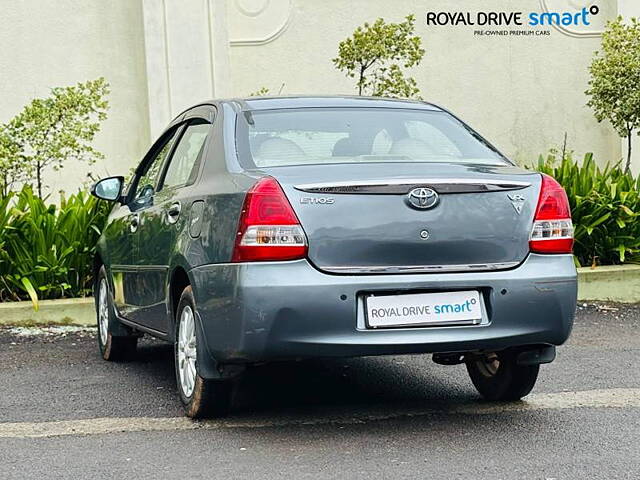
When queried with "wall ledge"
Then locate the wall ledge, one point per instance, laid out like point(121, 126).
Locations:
point(612, 283)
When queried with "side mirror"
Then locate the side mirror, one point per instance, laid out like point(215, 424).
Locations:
point(108, 189)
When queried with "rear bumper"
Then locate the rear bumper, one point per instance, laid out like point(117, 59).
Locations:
point(256, 312)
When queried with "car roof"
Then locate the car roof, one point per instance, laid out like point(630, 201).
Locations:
point(264, 103)
point(310, 101)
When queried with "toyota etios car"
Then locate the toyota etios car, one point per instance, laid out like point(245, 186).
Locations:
point(283, 228)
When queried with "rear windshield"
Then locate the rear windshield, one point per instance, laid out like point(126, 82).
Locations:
point(312, 136)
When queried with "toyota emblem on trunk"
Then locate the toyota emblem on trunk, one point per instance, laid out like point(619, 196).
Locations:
point(422, 198)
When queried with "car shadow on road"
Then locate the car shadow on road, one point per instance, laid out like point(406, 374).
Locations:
point(341, 383)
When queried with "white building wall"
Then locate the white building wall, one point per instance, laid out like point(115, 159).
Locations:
point(521, 93)
point(161, 56)
point(49, 44)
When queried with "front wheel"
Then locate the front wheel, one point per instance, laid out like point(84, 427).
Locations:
point(498, 377)
point(200, 397)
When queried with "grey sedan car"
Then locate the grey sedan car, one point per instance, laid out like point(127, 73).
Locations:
point(277, 228)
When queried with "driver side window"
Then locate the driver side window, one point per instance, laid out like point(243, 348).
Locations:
point(145, 187)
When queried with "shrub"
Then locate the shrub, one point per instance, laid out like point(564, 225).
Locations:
point(47, 251)
point(605, 205)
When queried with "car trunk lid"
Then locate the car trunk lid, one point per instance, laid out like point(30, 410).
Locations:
point(360, 219)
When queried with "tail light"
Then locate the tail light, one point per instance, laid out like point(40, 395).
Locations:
point(552, 227)
point(268, 228)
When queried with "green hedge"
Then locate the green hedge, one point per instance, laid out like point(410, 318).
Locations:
point(46, 251)
point(605, 205)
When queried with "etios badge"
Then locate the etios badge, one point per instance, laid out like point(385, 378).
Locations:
point(422, 198)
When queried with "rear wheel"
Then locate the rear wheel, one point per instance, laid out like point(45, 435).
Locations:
point(497, 375)
point(112, 347)
point(200, 397)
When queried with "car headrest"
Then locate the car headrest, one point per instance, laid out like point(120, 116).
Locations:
point(280, 150)
point(410, 147)
point(343, 148)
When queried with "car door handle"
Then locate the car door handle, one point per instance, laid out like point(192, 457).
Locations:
point(134, 222)
point(173, 212)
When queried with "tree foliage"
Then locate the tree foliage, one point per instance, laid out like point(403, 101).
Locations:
point(376, 55)
point(12, 170)
point(615, 76)
point(49, 131)
point(261, 92)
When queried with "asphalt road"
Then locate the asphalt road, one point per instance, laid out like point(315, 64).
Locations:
point(64, 413)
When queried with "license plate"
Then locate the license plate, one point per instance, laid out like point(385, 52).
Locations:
point(423, 309)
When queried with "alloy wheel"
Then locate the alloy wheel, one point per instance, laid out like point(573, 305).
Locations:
point(103, 311)
point(187, 351)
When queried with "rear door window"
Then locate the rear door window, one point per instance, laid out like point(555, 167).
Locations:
point(183, 167)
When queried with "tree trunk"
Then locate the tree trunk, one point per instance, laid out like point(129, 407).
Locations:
point(564, 146)
point(39, 179)
point(628, 168)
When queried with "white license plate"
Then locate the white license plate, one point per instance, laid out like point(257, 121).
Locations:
point(442, 308)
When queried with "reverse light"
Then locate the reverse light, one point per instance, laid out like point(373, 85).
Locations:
point(268, 228)
point(552, 226)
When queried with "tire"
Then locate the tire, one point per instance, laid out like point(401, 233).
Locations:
point(498, 377)
point(200, 398)
point(112, 347)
